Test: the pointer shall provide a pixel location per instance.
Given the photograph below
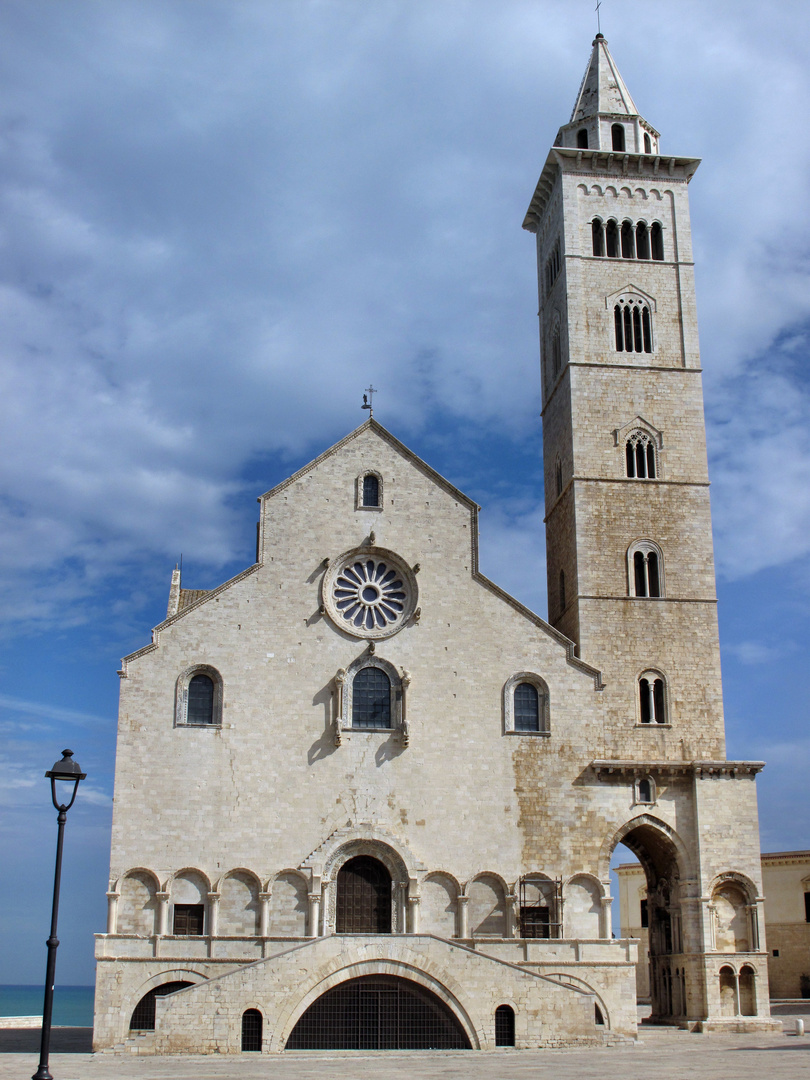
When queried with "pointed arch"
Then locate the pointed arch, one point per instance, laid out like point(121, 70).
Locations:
point(660, 840)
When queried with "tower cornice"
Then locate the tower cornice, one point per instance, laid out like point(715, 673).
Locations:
point(607, 164)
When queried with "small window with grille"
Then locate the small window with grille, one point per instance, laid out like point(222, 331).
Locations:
point(201, 700)
point(527, 707)
point(504, 1026)
point(251, 1031)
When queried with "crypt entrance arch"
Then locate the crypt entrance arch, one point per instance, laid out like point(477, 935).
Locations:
point(378, 1012)
point(667, 869)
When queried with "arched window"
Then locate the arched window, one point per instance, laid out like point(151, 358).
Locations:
point(525, 704)
point(617, 135)
point(371, 699)
point(628, 240)
point(657, 235)
point(504, 1026)
point(645, 791)
point(642, 241)
point(652, 698)
point(640, 456)
point(251, 1031)
point(646, 577)
point(527, 707)
point(598, 236)
point(647, 144)
point(143, 1015)
point(198, 697)
point(612, 239)
point(371, 696)
point(558, 477)
point(371, 490)
point(582, 139)
point(200, 700)
point(562, 591)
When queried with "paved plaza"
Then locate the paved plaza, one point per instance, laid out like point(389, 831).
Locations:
point(662, 1053)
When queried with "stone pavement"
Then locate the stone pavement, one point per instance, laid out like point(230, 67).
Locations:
point(661, 1053)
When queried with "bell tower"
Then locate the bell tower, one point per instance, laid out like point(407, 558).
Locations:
point(628, 525)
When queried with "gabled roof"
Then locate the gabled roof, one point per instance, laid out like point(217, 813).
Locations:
point(603, 90)
point(401, 448)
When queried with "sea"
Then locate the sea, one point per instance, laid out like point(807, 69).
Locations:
point(72, 1005)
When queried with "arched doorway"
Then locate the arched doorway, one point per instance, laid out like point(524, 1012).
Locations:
point(378, 1012)
point(363, 902)
point(656, 850)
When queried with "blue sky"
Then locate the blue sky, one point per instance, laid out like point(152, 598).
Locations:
point(220, 220)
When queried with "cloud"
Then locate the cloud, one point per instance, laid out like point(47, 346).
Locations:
point(229, 218)
point(755, 653)
point(50, 712)
point(512, 539)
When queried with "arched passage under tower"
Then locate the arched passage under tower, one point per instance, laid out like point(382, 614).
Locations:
point(663, 858)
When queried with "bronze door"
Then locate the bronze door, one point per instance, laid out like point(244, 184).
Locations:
point(363, 897)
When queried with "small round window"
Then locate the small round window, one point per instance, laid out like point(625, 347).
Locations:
point(369, 593)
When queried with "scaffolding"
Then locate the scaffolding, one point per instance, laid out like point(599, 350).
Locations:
point(540, 903)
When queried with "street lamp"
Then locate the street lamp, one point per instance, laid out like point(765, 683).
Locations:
point(66, 774)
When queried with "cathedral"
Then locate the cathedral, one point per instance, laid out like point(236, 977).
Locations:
point(365, 799)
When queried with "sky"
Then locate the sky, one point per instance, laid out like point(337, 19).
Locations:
point(221, 220)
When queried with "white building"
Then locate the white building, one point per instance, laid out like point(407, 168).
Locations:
point(365, 798)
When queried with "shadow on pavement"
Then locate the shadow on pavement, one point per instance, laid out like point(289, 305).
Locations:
point(64, 1040)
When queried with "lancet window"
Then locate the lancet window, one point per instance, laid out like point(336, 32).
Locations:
point(632, 325)
point(645, 570)
point(652, 698)
point(639, 454)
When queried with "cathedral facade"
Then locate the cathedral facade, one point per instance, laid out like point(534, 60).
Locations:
point(366, 799)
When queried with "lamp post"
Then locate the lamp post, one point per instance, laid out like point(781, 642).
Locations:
point(67, 773)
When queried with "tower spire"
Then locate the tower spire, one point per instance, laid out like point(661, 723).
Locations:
point(604, 116)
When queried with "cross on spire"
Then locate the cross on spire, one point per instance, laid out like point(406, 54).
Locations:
point(598, 17)
point(368, 400)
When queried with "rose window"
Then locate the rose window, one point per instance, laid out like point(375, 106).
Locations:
point(369, 593)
